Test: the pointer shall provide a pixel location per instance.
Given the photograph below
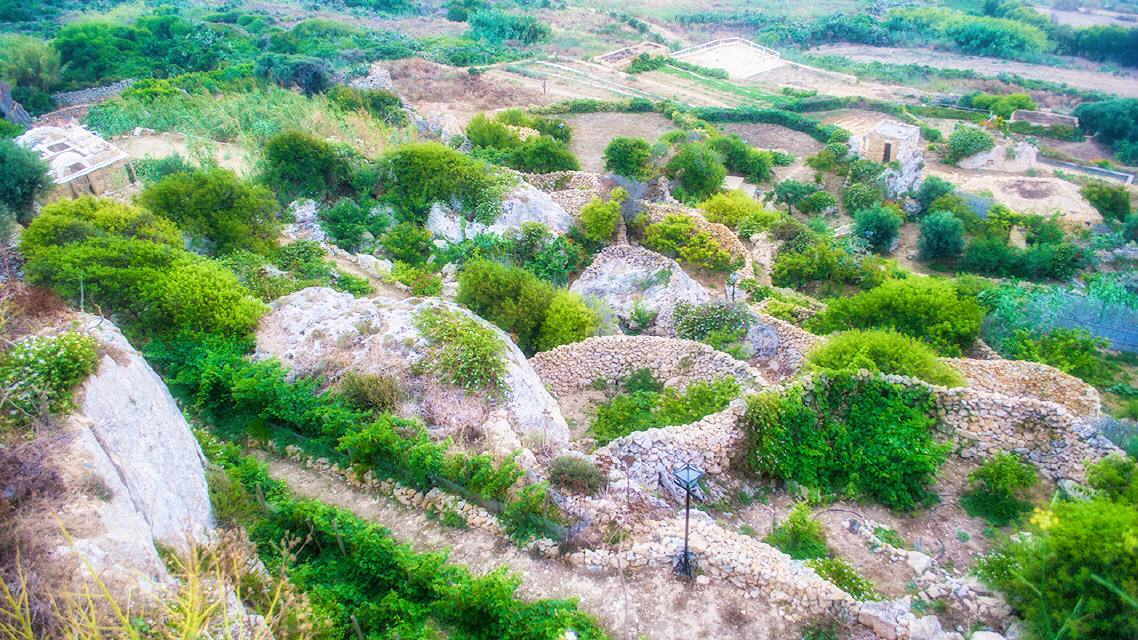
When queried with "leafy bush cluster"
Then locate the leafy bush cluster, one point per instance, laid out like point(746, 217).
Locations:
point(996, 489)
point(850, 436)
point(738, 211)
point(290, 268)
point(678, 236)
point(499, 140)
point(1001, 105)
point(24, 177)
point(799, 536)
point(463, 352)
point(358, 577)
point(598, 218)
point(414, 176)
point(577, 474)
point(883, 351)
point(879, 226)
point(130, 262)
point(845, 576)
point(723, 325)
point(535, 314)
point(38, 374)
point(966, 141)
point(531, 246)
point(929, 309)
point(1076, 569)
point(698, 171)
point(645, 404)
point(1112, 201)
point(628, 157)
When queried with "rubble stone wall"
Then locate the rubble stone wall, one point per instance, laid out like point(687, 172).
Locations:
point(1030, 380)
point(675, 362)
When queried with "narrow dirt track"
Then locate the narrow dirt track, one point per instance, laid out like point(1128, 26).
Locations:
point(648, 604)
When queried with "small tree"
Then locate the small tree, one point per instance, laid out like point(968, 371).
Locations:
point(22, 177)
point(860, 196)
point(598, 219)
point(931, 189)
point(1112, 201)
point(879, 226)
point(628, 157)
point(942, 237)
point(698, 170)
point(791, 192)
point(297, 165)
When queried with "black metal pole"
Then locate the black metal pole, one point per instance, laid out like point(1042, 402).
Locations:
point(687, 515)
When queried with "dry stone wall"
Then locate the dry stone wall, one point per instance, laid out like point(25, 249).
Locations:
point(722, 234)
point(1030, 380)
point(792, 343)
point(676, 362)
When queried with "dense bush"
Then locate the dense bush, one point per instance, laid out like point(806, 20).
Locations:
point(932, 188)
point(310, 75)
point(1072, 570)
point(598, 218)
point(628, 157)
point(848, 436)
point(844, 576)
point(1112, 201)
point(884, 351)
point(996, 489)
point(860, 196)
point(819, 202)
point(407, 242)
point(995, 257)
point(39, 373)
point(415, 176)
point(678, 236)
point(510, 297)
point(463, 352)
point(567, 319)
point(637, 410)
point(369, 391)
point(297, 165)
point(381, 104)
point(346, 224)
point(296, 265)
point(929, 309)
point(216, 207)
point(942, 237)
point(733, 207)
point(698, 171)
point(498, 27)
point(828, 268)
point(791, 193)
point(1116, 478)
point(1004, 105)
point(1113, 122)
point(1073, 351)
point(24, 176)
point(799, 536)
point(966, 141)
point(576, 474)
point(739, 157)
point(879, 226)
point(543, 154)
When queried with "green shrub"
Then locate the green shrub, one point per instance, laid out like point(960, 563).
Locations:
point(567, 319)
point(1112, 201)
point(38, 373)
point(543, 154)
point(628, 157)
point(966, 141)
point(1130, 229)
point(1073, 351)
point(642, 380)
point(799, 536)
point(381, 104)
point(996, 489)
point(860, 196)
point(310, 75)
point(818, 202)
point(1115, 477)
point(217, 207)
point(942, 237)
point(1003, 106)
point(510, 297)
point(678, 236)
point(739, 157)
point(415, 176)
point(931, 189)
point(791, 193)
point(422, 281)
point(483, 131)
point(150, 170)
point(497, 26)
point(848, 436)
point(463, 352)
point(201, 295)
point(879, 226)
point(407, 242)
point(369, 391)
point(297, 165)
point(883, 351)
point(698, 171)
point(346, 222)
point(1052, 578)
point(928, 309)
point(643, 409)
point(844, 576)
point(731, 208)
point(24, 176)
point(598, 219)
point(576, 474)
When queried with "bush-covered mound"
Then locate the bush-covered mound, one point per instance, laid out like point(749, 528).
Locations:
point(885, 351)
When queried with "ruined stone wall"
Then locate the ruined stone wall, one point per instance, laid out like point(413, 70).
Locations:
point(792, 344)
point(675, 362)
point(1029, 380)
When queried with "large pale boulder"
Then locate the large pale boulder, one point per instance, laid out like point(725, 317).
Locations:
point(624, 276)
point(322, 331)
point(523, 203)
point(134, 474)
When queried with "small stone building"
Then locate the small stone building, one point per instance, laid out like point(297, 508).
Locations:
point(80, 163)
point(890, 141)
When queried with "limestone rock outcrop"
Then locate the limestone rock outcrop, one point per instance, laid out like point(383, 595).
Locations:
point(319, 331)
point(624, 276)
point(523, 203)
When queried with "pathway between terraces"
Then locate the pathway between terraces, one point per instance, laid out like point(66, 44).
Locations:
point(648, 604)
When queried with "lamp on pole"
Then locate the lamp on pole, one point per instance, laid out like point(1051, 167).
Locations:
point(687, 477)
point(732, 278)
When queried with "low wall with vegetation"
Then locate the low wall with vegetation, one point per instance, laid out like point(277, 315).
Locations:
point(1025, 379)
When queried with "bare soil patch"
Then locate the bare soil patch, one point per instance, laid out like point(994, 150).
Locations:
point(159, 145)
point(1042, 195)
point(593, 131)
point(1079, 74)
point(772, 136)
point(647, 604)
point(431, 87)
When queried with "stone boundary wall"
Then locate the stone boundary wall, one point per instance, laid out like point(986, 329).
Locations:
point(676, 362)
point(707, 443)
point(657, 211)
point(570, 189)
point(1029, 380)
point(92, 95)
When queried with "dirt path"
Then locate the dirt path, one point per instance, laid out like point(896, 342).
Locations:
point(1082, 78)
point(381, 288)
point(645, 605)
